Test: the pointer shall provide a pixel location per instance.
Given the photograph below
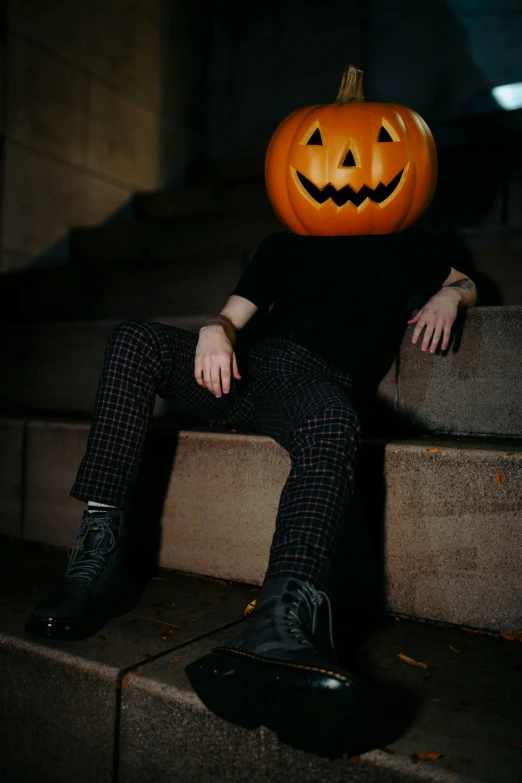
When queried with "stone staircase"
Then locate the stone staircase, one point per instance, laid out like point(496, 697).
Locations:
point(440, 482)
point(117, 708)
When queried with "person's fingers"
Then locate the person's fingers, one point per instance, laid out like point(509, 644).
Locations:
point(235, 368)
point(207, 380)
point(415, 318)
point(198, 371)
point(225, 376)
point(417, 331)
point(215, 378)
point(446, 338)
point(437, 332)
point(427, 336)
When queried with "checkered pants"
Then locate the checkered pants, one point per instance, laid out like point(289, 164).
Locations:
point(286, 392)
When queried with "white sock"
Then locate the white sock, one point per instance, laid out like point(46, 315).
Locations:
point(93, 506)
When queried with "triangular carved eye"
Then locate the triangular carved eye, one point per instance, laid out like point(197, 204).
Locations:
point(384, 135)
point(349, 159)
point(315, 139)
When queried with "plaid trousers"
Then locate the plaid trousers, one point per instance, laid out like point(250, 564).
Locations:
point(286, 392)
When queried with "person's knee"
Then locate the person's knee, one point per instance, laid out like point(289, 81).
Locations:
point(340, 419)
point(132, 332)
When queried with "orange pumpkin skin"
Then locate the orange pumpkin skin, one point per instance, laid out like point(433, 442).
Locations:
point(354, 126)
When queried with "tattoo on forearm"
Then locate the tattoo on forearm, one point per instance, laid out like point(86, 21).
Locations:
point(466, 284)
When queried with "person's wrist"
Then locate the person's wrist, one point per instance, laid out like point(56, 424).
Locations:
point(226, 325)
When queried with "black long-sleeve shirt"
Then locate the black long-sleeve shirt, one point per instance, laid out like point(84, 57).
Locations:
point(345, 298)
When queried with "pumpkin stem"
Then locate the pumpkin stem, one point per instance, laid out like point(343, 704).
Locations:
point(351, 85)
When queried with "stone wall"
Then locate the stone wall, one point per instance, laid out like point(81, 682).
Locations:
point(97, 96)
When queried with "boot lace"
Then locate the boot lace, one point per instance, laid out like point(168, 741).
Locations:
point(88, 563)
point(313, 599)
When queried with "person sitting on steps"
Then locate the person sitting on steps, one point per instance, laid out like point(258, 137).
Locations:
point(335, 304)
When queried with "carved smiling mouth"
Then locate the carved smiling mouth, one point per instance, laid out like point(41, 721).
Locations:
point(343, 195)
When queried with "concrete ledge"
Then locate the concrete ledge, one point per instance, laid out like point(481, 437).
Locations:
point(60, 699)
point(65, 719)
point(55, 367)
point(449, 713)
point(475, 387)
point(452, 540)
point(453, 534)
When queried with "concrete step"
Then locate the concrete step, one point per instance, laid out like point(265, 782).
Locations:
point(473, 388)
point(443, 514)
point(55, 367)
point(179, 288)
point(118, 708)
point(199, 235)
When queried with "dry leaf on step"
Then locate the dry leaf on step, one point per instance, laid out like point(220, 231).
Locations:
point(411, 662)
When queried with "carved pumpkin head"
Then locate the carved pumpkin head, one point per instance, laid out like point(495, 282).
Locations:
point(351, 167)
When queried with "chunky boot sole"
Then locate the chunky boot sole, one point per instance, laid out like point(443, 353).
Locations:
point(77, 628)
point(308, 707)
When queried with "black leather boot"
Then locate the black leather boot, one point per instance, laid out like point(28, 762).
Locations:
point(96, 586)
point(281, 672)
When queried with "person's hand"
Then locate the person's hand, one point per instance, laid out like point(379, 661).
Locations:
point(437, 318)
point(215, 359)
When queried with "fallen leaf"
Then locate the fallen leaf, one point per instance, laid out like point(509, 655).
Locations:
point(397, 619)
point(158, 578)
point(388, 750)
point(510, 453)
point(232, 430)
point(126, 682)
point(454, 649)
point(411, 662)
point(249, 608)
point(511, 637)
point(355, 760)
point(270, 442)
point(102, 637)
point(498, 474)
point(449, 769)
point(434, 450)
point(117, 684)
point(428, 756)
point(138, 674)
point(478, 631)
point(174, 660)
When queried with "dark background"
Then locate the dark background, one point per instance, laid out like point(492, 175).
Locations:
point(104, 100)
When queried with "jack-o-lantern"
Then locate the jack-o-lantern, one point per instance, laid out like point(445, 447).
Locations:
point(351, 167)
